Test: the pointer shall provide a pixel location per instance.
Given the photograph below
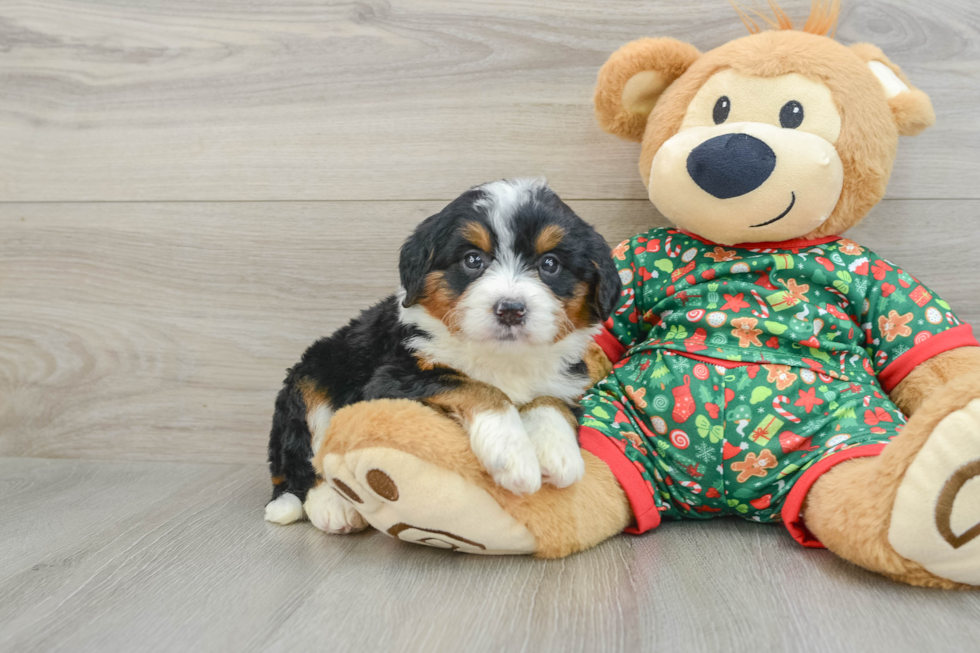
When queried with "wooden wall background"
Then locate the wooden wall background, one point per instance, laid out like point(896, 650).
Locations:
point(192, 191)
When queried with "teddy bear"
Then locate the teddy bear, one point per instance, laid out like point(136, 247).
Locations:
point(757, 364)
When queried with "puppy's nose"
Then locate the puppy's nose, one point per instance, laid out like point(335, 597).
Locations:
point(510, 312)
point(730, 165)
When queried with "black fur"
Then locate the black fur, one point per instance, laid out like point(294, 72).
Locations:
point(370, 359)
point(366, 359)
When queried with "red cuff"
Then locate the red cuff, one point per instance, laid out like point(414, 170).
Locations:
point(898, 369)
point(629, 477)
point(793, 506)
point(610, 345)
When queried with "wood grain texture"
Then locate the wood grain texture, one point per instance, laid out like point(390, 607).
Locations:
point(162, 331)
point(258, 100)
point(103, 556)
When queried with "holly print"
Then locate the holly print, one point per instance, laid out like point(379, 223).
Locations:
point(830, 306)
point(746, 365)
point(703, 429)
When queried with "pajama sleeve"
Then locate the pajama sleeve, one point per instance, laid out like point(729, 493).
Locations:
point(906, 324)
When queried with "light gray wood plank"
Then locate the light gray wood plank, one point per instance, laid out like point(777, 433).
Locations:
point(218, 100)
point(104, 556)
point(162, 331)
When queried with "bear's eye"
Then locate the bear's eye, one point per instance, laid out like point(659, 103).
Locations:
point(722, 107)
point(791, 115)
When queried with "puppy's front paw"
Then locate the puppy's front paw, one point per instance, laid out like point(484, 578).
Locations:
point(329, 512)
point(501, 444)
point(556, 445)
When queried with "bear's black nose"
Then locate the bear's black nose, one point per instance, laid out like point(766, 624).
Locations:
point(731, 165)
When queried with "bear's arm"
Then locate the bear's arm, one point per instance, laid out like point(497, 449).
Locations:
point(931, 375)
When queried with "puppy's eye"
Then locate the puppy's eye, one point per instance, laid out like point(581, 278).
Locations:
point(722, 107)
point(473, 260)
point(550, 265)
point(791, 115)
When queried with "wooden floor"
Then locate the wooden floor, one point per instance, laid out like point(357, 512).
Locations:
point(191, 191)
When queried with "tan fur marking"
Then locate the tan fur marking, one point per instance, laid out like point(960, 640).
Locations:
point(478, 235)
point(548, 239)
point(596, 362)
point(278, 480)
point(424, 362)
point(465, 401)
point(577, 312)
point(557, 404)
point(439, 301)
point(313, 396)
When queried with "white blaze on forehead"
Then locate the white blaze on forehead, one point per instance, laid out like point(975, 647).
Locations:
point(503, 199)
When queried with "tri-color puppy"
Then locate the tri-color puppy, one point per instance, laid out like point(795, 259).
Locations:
point(502, 292)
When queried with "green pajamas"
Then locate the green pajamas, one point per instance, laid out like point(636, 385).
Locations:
point(744, 372)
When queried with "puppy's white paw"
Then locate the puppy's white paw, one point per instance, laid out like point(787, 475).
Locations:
point(285, 509)
point(556, 445)
point(501, 444)
point(329, 512)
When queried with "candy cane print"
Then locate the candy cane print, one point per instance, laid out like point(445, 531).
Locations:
point(763, 311)
point(781, 399)
point(672, 253)
point(844, 301)
point(692, 486)
point(627, 292)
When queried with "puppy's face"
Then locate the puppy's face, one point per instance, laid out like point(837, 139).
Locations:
point(509, 262)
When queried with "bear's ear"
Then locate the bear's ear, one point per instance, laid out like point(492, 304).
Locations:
point(911, 107)
point(633, 78)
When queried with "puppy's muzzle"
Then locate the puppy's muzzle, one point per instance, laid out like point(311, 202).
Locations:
point(510, 312)
point(731, 165)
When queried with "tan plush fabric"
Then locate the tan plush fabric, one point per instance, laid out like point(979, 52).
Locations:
point(869, 132)
point(560, 521)
point(854, 523)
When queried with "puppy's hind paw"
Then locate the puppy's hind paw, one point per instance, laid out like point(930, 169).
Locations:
point(284, 509)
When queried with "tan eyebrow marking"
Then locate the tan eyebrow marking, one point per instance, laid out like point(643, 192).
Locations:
point(549, 238)
point(477, 234)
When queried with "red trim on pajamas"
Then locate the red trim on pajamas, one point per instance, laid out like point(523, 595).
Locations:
point(797, 243)
point(901, 367)
point(610, 345)
point(636, 489)
point(793, 506)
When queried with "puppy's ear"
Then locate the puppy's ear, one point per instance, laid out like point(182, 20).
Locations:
point(608, 285)
point(910, 107)
point(633, 78)
point(417, 258)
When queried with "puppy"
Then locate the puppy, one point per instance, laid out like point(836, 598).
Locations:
point(502, 292)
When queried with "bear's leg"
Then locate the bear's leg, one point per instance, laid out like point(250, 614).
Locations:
point(410, 473)
point(912, 513)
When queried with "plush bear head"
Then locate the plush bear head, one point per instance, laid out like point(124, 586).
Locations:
point(779, 135)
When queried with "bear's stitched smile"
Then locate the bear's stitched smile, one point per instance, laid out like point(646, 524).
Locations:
point(781, 215)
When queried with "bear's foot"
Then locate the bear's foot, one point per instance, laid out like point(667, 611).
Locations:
point(935, 519)
point(415, 501)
